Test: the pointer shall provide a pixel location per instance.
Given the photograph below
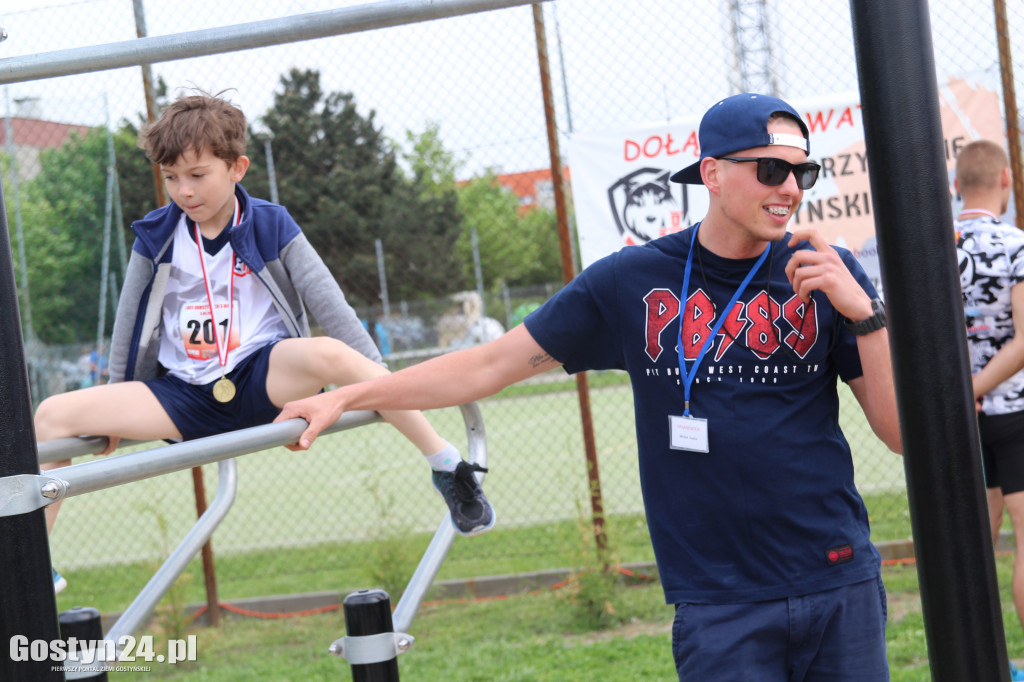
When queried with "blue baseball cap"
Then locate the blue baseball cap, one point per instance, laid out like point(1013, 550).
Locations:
point(737, 123)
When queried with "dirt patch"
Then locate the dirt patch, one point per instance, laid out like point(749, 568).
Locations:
point(627, 631)
point(902, 603)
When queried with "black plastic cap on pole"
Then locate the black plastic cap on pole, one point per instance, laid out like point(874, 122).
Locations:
point(368, 612)
point(914, 228)
point(85, 624)
point(28, 605)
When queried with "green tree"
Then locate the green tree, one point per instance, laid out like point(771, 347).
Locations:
point(517, 250)
point(433, 167)
point(340, 179)
point(63, 213)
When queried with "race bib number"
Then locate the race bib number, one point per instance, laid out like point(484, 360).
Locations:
point(197, 331)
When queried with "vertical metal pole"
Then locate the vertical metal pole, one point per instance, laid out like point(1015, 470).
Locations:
point(941, 448)
point(268, 148)
point(22, 262)
point(478, 271)
point(112, 288)
point(568, 272)
point(119, 221)
point(28, 605)
point(561, 66)
point(108, 211)
point(506, 296)
point(383, 277)
point(1013, 131)
point(198, 486)
point(209, 572)
point(26, 301)
point(368, 612)
point(147, 86)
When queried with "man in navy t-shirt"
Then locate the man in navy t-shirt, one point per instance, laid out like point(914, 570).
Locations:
point(734, 333)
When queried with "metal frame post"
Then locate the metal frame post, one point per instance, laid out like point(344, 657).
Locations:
point(568, 272)
point(368, 624)
point(28, 605)
point(941, 447)
point(85, 625)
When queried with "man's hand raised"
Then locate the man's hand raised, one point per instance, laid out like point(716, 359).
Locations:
point(821, 268)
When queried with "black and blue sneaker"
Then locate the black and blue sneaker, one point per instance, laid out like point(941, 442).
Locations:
point(471, 513)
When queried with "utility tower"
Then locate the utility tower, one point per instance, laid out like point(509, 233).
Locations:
point(752, 48)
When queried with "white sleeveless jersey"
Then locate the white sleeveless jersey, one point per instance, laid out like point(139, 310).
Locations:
point(188, 348)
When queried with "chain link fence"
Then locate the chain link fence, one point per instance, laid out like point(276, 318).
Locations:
point(416, 160)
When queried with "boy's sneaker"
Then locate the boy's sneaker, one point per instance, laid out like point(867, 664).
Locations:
point(471, 512)
point(58, 581)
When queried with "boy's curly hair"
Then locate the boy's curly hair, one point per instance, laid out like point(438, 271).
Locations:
point(199, 123)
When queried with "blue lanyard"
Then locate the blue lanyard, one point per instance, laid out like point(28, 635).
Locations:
point(688, 377)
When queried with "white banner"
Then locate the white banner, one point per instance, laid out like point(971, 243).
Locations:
point(622, 194)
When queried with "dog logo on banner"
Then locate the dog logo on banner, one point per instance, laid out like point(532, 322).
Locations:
point(645, 205)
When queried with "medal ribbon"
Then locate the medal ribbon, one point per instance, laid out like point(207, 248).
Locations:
point(222, 353)
point(688, 377)
point(982, 211)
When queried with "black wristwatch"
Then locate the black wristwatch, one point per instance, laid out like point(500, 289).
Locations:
point(870, 324)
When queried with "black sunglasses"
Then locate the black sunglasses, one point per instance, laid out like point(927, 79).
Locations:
point(773, 172)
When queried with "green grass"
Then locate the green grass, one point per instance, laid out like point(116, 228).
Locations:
point(526, 637)
point(346, 567)
point(530, 637)
point(889, 515)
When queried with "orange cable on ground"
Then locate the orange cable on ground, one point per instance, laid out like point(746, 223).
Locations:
point(267, 614)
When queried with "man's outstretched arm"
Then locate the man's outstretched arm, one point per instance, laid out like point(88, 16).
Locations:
point(452, 379)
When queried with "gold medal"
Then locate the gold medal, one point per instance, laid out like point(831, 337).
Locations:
point(224, 390)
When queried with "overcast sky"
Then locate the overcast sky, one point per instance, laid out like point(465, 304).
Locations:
point(626, 63)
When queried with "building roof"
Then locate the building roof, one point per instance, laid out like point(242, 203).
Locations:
point(533, 188)
point(32, 132)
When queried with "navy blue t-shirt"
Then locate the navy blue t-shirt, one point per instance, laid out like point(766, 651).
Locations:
point(771, 510)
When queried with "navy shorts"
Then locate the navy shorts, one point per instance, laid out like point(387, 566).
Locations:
point(1002, 450)
point(836, 635)
point(196, 413)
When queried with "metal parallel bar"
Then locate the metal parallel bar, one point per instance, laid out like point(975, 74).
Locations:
point(26, 492)
point(439, 545)
point(240, 37)
point(107, 473)
point(68, 448)
point(136, 615)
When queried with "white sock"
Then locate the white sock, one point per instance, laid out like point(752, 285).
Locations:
point(445, 460)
